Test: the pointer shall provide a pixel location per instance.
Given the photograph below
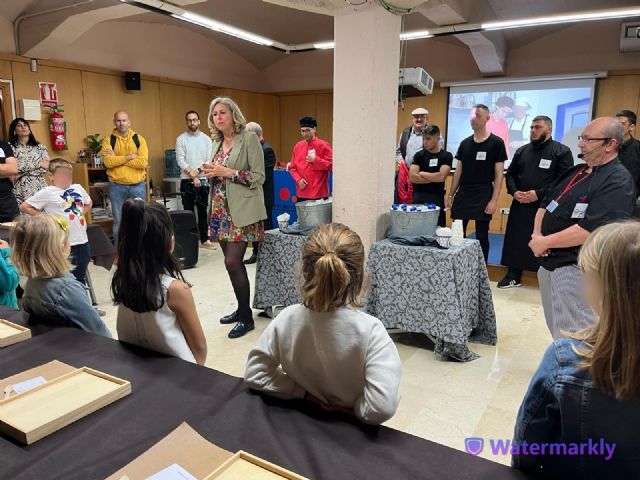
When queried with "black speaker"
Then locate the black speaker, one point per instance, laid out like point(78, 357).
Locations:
point(132, 80)
point(187, 237)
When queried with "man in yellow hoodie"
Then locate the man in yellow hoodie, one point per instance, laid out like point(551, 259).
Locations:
point(126, 157)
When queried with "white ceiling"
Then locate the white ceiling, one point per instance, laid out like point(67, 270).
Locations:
point(290, 22)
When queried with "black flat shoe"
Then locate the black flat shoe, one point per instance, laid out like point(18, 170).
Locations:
point(231, 318)
point(241, 329)
point(252, 259)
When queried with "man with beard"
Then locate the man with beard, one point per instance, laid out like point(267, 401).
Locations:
point(193, 148)
point(534, 168)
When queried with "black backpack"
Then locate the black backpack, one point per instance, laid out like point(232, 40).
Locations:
point(136, 141)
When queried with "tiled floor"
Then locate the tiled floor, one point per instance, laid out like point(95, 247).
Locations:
point(441, 401)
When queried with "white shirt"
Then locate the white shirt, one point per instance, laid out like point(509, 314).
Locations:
point(192, 150)
point(158, 331)
point(345, 358)
point(66, 204)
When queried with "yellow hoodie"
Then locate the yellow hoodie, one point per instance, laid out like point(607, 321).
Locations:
point(119, 169)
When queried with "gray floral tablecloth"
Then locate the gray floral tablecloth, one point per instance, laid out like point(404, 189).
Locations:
point(442, 293)
point(276, 270)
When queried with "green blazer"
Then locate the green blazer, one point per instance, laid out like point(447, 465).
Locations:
point(246, 203)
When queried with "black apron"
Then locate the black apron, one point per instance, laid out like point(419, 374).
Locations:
point(516, 252)
point(420, 198)
point(470, 202)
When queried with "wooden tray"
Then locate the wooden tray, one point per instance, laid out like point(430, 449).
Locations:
point(184, 447)
point(249, 467)
point(36, 413)
point(11, 333)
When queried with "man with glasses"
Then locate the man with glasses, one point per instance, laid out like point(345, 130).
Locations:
point(629, 152)
point(193, 148)
point(311, 162)
point(588, 196)
point(534, 168)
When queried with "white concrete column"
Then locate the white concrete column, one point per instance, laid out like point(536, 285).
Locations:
point(365, 111)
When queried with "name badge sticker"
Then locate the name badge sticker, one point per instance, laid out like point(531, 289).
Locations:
point(544, 163)
point(433, 162)
point(481, 156)
point(552, 206)
point(579, 210)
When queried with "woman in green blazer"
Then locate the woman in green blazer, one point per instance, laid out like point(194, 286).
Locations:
point(236, 172)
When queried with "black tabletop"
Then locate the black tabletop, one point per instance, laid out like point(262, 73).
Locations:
point(167, 391)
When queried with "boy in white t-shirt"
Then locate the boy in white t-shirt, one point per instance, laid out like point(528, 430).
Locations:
point(70, 203)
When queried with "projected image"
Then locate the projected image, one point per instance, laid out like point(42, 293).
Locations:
point(513, 109)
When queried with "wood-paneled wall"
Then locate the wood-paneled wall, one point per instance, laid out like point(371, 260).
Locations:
point(90, 96)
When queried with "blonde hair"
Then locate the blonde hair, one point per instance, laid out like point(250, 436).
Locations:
point(37, 245)
point(57, 163)
point(332, 268)
point(611, 350)
point(239, 123)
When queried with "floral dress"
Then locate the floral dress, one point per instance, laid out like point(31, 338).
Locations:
point(30, 174)
point(221, 226)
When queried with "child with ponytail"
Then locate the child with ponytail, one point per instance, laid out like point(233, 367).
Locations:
point(325, 349)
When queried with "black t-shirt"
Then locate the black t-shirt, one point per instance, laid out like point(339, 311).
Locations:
point(609, 194)
point(6, 151)
point(479, 159)
point(431, 162)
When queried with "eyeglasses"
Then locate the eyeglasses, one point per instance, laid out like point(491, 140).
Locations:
point(305, 130)
point(592, 139)
point(419, 116)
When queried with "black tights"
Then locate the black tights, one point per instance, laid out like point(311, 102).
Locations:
point(482, 235)
point(233, 262)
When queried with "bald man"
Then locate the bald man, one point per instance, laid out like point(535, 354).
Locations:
point(589, 195)
point(126, 157)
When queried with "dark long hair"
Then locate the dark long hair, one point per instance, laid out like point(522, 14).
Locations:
point(13, 138)
point(144, 244)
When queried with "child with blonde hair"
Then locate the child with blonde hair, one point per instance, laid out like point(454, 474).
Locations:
point(41, 249)
point(325, 349)
point(587, 387)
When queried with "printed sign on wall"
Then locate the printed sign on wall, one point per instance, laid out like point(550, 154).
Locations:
point(48, 94)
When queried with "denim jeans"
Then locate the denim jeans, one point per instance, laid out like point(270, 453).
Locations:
point(80, 257)
point(119, 193)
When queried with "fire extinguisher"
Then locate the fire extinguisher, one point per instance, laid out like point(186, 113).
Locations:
point(57, 129)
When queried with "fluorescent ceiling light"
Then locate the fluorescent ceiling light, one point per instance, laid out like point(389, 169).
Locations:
point(222, 28)
point(324, 45)
point(570, 18)
point(415, 35)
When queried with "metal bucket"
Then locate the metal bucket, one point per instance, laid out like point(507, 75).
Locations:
point(414, 224)
point(310, 215)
